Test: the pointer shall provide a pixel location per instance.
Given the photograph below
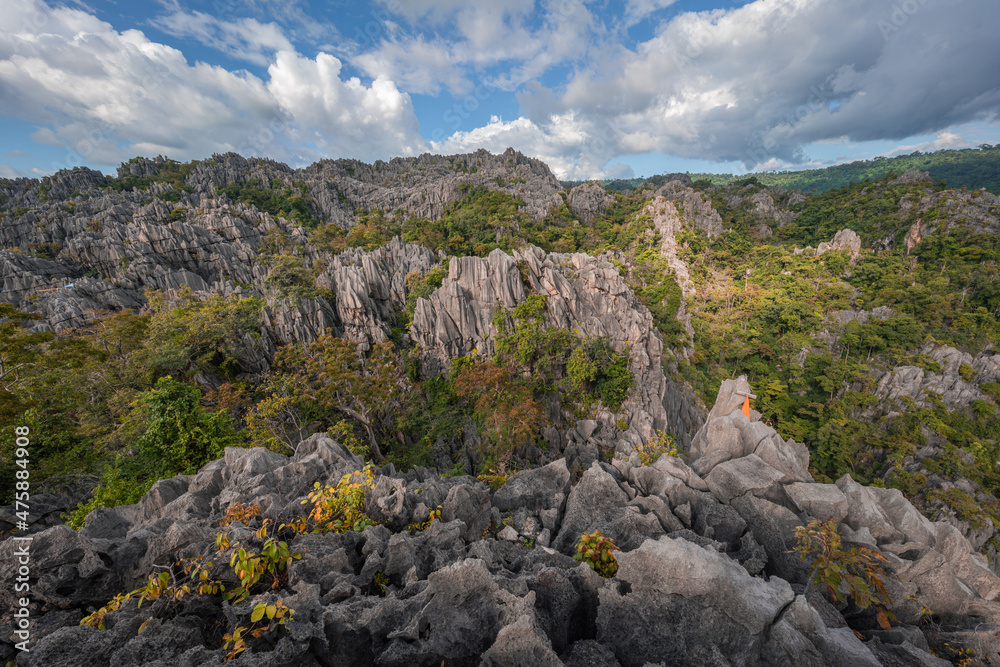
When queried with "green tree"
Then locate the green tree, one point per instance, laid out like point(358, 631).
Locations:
point(337, 376)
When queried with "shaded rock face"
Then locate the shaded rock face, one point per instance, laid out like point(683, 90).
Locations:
point(705, 575)
point(698, 210)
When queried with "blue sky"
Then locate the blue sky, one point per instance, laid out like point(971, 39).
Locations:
point(595, 89)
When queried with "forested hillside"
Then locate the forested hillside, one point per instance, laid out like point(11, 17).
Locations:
point(970, 168)
point(468, 315)
point(150, 384)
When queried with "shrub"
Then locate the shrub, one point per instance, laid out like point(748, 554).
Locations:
point(504, 408)
point(857, 573)
point(114, 489)
point(340, 508)
point(177, 435)
point(597, 551)
point(655, 447)
point(241, 512)
point(291, 276)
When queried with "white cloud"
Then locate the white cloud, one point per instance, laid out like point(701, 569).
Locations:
point(943, 141)
point(109, 95)
point(637, 10)
point(757, 83)
point(471, 38)
point(557, 142)
point(17, 152)
point(345, 118)
point(418, 65)
point(245, 38)
point(7, 171)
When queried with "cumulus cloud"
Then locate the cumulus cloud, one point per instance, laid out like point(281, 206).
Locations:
point(109, 95)
point(344, 118)
point(521, 40)
point(757, 83)
point(561, 142)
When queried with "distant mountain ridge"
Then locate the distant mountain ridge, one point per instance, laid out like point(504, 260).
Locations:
point(971, 168)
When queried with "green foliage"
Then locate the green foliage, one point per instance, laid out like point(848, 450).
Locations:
point(339, 508)
point(870, 209)
point(292, 277)
point(279, 199)
point(332, 376)
point(172, 433)
point(965, 508)
point(655, 447)
point(857, 573)
point(598, 552)
point(250, 567)
point(199, 335)
point(971, 168)
point(235, 642)
point(172, 173)
point(478, 223)
point(421, 286)
point(115, 488)
point(657, 289)
point(594, 369)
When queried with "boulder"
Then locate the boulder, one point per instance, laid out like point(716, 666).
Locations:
point(678, 603)
point(597, 502)
point(819, 501)
point(735, 478)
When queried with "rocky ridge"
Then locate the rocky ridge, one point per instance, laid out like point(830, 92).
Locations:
point(584, 295)
point(704, 575)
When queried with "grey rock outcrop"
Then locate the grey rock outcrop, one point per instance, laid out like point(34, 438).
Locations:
point(704, 570)
point(845, 239)
point(697, 208)
point(936, 212)
point(954, 385)
point(583, 294)
point(589, 200)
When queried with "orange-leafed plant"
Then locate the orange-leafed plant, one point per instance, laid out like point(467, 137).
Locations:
point(857, 573)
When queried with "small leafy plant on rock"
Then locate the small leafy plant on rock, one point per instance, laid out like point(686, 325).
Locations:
point(339, 508)
point(597, 551)
point(236, 641)
point(857, 573)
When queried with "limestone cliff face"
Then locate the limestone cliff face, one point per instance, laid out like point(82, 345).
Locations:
point(425, 185)
point(697, 208)
point(81, 249)
point(585, 295)
point(589, 200)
